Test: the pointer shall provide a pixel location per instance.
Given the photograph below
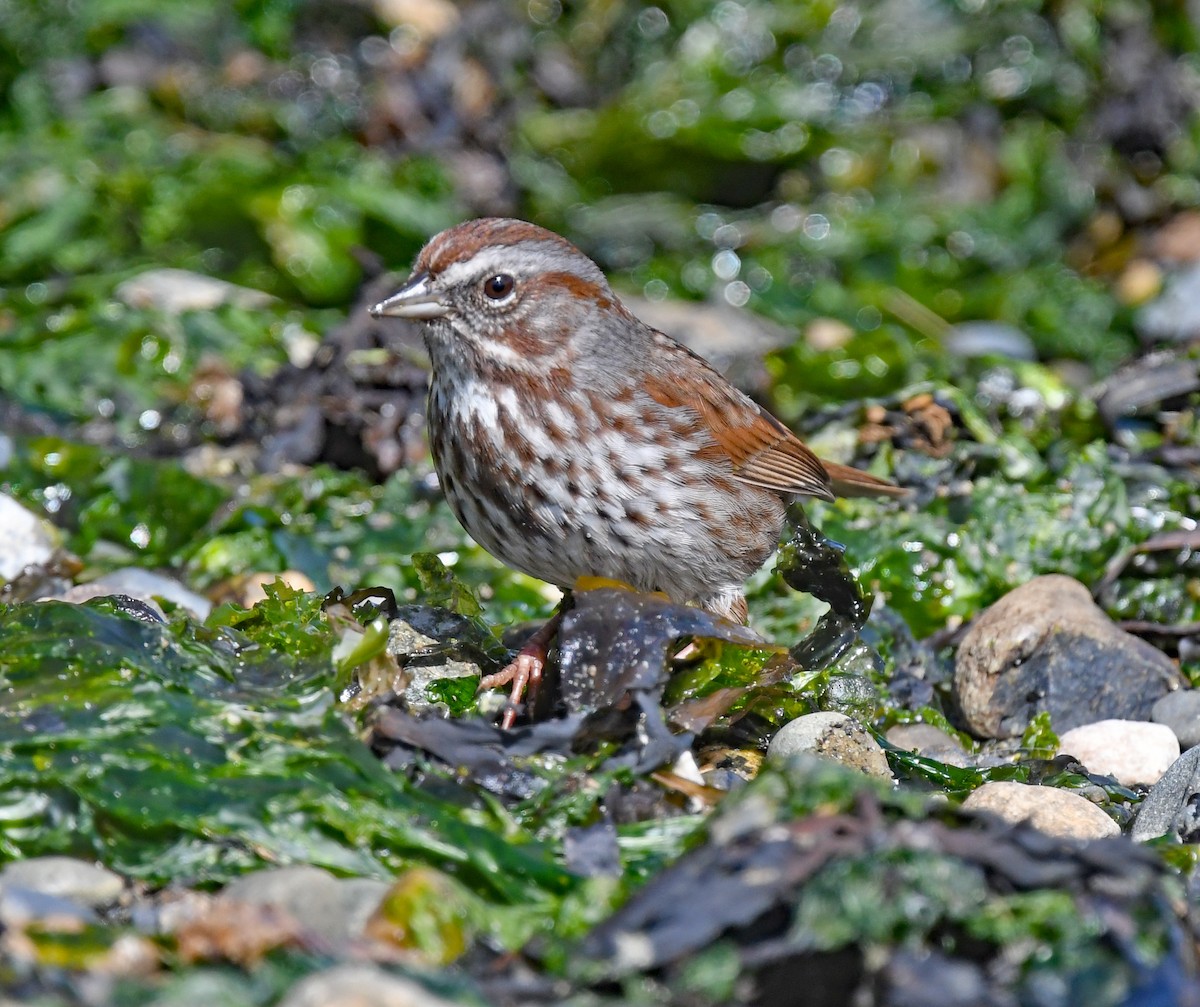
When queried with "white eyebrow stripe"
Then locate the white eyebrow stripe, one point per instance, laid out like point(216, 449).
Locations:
point(530, 260)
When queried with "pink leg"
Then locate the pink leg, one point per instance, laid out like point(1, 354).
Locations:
point(525, 670)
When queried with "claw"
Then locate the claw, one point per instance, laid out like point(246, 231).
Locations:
point(525, 670)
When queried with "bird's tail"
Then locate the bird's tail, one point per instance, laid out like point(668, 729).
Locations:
point(851, 482)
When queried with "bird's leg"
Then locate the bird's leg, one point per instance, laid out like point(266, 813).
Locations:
point(731, 606)
point(525, 670)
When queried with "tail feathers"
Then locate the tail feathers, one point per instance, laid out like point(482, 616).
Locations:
point(851, 482)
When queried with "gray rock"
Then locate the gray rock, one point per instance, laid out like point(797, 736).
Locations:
point(415, 637)
point(84, 883)
point(832, 736)
point(25, 538)
point(980, 339)
point(359, 986)
point(1047, 647)
point(930, 742)
point(336, 909)
point(1140, 387)
point(1173, 804)
point(169, 909)
point(1130, 751)
point(909, 975)
point(175, 291)
point(144, 585)
point(356, 901)
point(1180, 711)
point(1174, 316)
point(1048, 809)
point(920, 738)
point(20, 907)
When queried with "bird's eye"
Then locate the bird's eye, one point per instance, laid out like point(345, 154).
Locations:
point(499, 286)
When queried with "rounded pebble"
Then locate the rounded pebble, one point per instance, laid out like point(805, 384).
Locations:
point(142, 585)
point(930, 742)
point(832, 736)
point(1130, 751)
point(253, 589)
point(334, 908)
point(21, 907)
point(1050, 810)
point(80, 881)
point(1047, 647)
point(1138, 282)
point(1180, 711)
point(359, 986)
point(25, 539)
point(980, 339)
point(1173, 316)
point(175, 291)
point(1173, 804)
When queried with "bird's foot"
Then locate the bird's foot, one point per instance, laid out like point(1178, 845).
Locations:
point(524, 671)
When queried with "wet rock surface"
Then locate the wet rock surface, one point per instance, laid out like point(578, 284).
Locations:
point(175, 291)
point(142, 585)
point(1047, 647)
point(25, 539)
point(1052, 811)
point(1180, 711)
point(1131, 751)
point(422, 639)
point(335, 909)
point(1172, 808)
point(929, 741)
point(360, 986)
point(832, 736)
point(77, 881)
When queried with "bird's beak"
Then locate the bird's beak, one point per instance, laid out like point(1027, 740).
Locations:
point(414, 300)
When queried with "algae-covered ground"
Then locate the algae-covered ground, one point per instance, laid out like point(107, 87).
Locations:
point(975, 224)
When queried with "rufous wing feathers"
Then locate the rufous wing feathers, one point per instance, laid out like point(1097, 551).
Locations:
point(763, 451)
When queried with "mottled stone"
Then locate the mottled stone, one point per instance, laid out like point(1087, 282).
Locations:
point(21, 907)
point(1130, 751)
point(1047, 647)
point(175, 291)
point(334, 908)
point(1173, 804)
point(359, 986)
point(25, 539)
point(1180, 711)
point(1048, 809)
point(80, 881)
point(930, 742)
point(418, 637)
point(143, 585)
point(832, 736)
point(1174, 316)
